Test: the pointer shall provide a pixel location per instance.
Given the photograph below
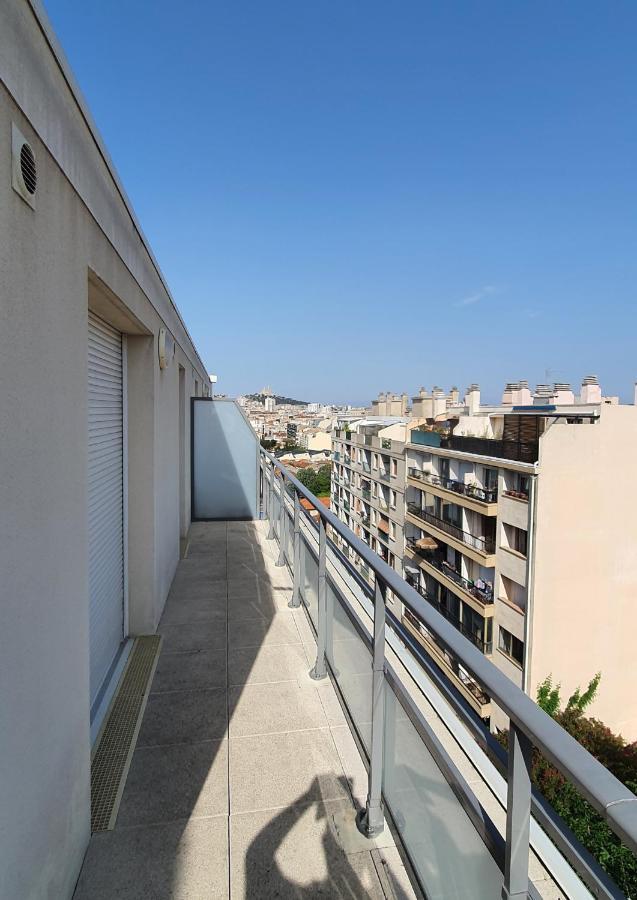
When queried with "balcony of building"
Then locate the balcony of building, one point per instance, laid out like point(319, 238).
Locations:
point(431, 556)
point(299, 740)
point(470, 495)
point(478, 547)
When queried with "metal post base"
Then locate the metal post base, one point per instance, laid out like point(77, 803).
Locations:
point(370, 822)
point(506, 895)
point(319, 671)
point(281, 559)
point(295, 602)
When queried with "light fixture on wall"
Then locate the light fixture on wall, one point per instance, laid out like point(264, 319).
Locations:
point(165, 347)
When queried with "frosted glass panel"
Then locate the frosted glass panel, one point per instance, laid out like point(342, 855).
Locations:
point(225, 462)
point(451, 859)
point(351, 664)
point(309, 580)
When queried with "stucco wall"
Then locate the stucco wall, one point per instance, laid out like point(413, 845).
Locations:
point(47, 258)
point(585, 592)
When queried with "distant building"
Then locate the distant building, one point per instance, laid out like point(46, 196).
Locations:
point(269, 404)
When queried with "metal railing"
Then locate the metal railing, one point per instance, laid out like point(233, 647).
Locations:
point(529, 819)
point(472, 491)
point(483, 544)
point(437, 562)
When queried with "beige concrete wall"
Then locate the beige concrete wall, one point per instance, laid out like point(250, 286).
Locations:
point(79, 246)
point(585, 591)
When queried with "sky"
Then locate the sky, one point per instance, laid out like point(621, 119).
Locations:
point(353, 197)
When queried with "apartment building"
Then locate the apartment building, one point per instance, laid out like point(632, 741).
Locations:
point(506, 519)
point(368, 484)
point(520, 530)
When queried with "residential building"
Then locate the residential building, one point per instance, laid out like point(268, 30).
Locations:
point(269, 404)
point(368, 484)
point(519, 533)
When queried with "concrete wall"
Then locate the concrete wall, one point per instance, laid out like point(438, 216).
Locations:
point(585, 592)
point(79, 247)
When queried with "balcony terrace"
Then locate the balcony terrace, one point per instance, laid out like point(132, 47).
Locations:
point(299, 741)
point(482, 548)
point(472, 496)
point(437, 566)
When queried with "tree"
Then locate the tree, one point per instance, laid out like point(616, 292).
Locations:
point(268, 443)
point(613, 752)
point(317, 482)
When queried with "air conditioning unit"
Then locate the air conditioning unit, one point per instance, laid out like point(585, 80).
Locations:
point(23, 168)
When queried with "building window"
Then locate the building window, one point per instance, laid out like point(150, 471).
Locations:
point(394, 468)
point(374, 460)
point(518, 539)
point(511, 646)
point(392, 531)
point(392, 499)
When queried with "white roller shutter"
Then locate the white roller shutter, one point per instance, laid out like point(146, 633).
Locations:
point(105, 498)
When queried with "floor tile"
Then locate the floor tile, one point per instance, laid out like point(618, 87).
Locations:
point(184, 717)
point(259, 632)
point(252, 665)
point(294, 852)
point(178, 782)
point(188, 671)
point(184, 860)
point(279, 769)
point(183, 610)
point(184, 636)
point(269, 708)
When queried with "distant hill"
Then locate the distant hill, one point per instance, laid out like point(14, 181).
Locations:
point(260, 398)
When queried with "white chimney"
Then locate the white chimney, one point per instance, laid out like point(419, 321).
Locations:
point(563, 395)
point(591, 392)
point(473, 399)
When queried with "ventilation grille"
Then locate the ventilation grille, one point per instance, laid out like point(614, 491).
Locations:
point(111, 760)
point(24, 169)
point(27, 168)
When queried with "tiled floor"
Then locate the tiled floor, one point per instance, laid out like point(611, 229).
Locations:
point(245, 779)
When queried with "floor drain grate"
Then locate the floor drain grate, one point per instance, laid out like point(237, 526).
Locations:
point(110, 762)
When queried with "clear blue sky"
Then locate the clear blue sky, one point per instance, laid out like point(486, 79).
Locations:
point(352, 197)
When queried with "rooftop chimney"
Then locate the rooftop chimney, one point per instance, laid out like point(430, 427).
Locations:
point(473, 399)
point(590, 391)
point(563, 395)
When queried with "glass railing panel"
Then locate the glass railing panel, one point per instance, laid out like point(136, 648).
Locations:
point(449, 856)
point(350, 659)
point(309, 580)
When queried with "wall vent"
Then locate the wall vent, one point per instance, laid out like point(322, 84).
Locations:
point(24, 171)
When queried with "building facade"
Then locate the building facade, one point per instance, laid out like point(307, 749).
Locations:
point(512, 528)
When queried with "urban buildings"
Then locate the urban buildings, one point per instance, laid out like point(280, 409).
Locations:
point(513, 528)
point(98, 558)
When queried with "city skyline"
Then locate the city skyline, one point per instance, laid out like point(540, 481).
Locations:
point(457, 182)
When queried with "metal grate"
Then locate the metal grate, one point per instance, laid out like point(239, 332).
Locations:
point(27, 167)
point(111, 760)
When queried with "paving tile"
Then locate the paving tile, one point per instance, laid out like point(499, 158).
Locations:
point(305, 629)
point(183, 610)
point(279, 769)
point(188, 671)
point(180, 637)
point(176, 782)
point(259, 632)
point(293, 853)
point(184, 717)
point(269, 708)
point(251, 665)
point(184, 860)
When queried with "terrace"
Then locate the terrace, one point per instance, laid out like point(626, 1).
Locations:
point(298, 740)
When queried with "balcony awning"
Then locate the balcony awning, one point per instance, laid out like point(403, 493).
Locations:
point(426, 543)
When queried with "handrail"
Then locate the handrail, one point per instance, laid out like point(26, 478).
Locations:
point(615, 803)
point(471, 491)
point(484, 545)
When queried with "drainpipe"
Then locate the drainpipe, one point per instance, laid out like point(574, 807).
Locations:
point(530, 581)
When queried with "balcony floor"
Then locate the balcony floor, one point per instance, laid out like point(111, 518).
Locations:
point(245, 778)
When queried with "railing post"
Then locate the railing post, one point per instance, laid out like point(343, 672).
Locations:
point(271, 534)
point(320, 668)
point(282, 519)
point(296, 574)
point(371, 820)
point(516, 860)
